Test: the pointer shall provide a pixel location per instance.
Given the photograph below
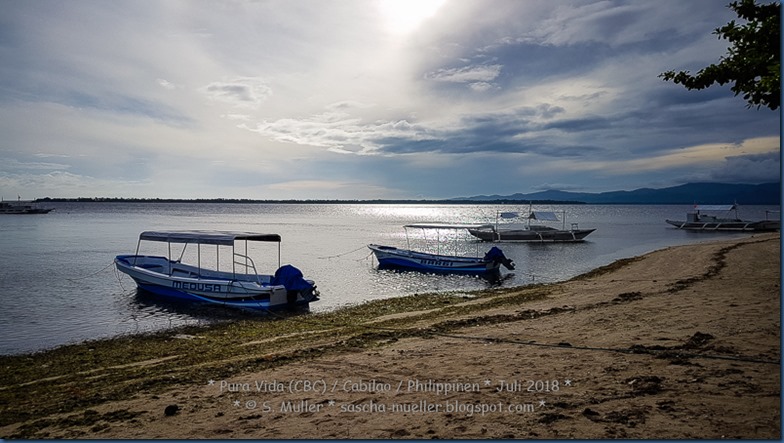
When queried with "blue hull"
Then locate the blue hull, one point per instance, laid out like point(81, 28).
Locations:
point(409, 265)
point(406, 260)
point(174, 294)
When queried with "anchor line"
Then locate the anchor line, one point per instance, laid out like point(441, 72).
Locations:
point(91, 275)
point(340, 255)
point(119, 276)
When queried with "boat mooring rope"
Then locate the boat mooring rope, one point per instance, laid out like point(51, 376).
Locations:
point(93, 274)
point(341, 255)
point(119, 277)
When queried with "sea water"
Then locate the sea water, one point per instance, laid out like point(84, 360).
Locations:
point(58, 284)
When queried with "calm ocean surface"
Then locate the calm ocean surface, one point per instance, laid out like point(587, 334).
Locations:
point(58, 284)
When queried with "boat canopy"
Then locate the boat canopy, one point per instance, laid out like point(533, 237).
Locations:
point(207, 237)
point(437, 225)
point(542, 215)
point(714, 207)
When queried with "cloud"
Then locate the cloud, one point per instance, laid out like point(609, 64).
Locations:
point(337, 130)
point(12, 166)
point(557, 187)
point(478, 78)
point(467, 74)
point(704, 162)
point(49, 155)
point(166, 84)
point(240, 92)
point(482, 86)
point(340, 132)
point(752, 168)
point(66, 184)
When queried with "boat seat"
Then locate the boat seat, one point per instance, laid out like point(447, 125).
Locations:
point(152, 267)
point(183, 273)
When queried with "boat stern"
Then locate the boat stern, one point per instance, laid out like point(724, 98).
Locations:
point(497, 257)
point(295, 291)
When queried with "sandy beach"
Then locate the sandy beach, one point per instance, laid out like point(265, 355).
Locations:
point(681, 343)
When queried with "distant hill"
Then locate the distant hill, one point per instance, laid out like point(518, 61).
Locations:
point(690, 193)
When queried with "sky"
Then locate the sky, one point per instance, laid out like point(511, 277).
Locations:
point(367, 99)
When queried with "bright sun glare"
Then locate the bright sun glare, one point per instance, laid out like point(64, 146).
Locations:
point(404, 16)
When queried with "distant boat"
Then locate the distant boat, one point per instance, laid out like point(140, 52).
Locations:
point(241, 286)
point(390, 257)
point(22, 207)
point(697, 220)
point(527, 232)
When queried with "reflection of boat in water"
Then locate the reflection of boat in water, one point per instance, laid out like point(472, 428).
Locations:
point(697, 220)
point(22, 207)
point(390, 257)
point(527, 232)
point(241, 286)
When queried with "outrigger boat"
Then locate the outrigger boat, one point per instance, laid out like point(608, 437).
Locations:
point(241, 286)
point(697, 220)
point(390, 257)
point(527, 232)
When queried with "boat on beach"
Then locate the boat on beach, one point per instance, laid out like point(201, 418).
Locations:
point(238, 285)
point(528, 232)
point(438, 262)
point(698, 220)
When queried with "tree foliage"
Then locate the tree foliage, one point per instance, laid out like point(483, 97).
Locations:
point(753, 62)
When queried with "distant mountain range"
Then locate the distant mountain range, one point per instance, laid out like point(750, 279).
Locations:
point(690, 193)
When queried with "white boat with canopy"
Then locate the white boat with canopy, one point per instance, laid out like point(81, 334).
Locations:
point(238, 284)
point(528, 232)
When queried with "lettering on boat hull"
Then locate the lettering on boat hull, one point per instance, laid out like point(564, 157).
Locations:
point(204, 287)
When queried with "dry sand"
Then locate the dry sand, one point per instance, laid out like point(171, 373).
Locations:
point(681, 343)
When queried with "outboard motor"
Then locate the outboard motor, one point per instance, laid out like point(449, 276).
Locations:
point(292, 279)
point(497, 256)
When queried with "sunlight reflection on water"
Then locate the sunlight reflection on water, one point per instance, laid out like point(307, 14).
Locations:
point(58, 284)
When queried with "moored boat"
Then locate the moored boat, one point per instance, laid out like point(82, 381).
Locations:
point(22, 207)
point(528, 232)
point(698, 220)
point(240, 286)
point(390, 257)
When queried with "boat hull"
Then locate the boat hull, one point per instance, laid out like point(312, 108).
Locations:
point(390, 257)
point(531, 235)
point(174, 280)
point(7, 208)
point(733, 225)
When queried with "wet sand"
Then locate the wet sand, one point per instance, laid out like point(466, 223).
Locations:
point(680, 343)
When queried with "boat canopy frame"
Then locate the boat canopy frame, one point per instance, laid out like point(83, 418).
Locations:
point(207, 237)
point(725, 208)
point(731, 208)
point(438, 226)
point(536, 215)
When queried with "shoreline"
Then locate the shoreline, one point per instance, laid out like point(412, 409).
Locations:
point(640, 309)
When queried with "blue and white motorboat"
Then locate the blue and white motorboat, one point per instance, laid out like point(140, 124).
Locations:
point(238, 285)
point(390, 257)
